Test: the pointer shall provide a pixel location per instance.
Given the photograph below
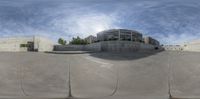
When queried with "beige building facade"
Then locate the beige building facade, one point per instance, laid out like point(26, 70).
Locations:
point(119, 35)
point(91, 39)
point(23, 44)
point(192, 46)
point(173, 47)
point(150, 40)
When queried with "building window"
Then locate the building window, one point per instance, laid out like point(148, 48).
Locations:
point(23, 45)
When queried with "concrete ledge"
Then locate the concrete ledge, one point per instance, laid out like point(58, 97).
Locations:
point(69, 52)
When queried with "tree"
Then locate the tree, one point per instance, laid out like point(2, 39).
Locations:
point(78, 41)
point(62, 41)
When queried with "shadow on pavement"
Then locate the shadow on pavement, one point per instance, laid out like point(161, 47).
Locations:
point(124, 55)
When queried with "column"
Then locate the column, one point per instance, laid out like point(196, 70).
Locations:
point(131, 36)
point(119, 33)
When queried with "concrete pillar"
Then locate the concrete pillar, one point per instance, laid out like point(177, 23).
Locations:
point(131, 36)
point(119, 33)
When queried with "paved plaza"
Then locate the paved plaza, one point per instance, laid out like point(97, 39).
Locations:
point(103, 75)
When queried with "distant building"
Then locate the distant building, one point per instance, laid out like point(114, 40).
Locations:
point(192, 46)
point(120, 35)
point(150, 40)
point(116, 40)
point(173, 47)
point(91, 39)
point(32, 43)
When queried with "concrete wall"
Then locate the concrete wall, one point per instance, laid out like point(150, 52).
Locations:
point(192, 46)
point(150, 40)
point(68, 47)
point(93, 47)
point(147, 47)
point(12, 44)
point(43, 44)
point(186, 47)
point(113, 46)
point(173, 47)
point(118, 46)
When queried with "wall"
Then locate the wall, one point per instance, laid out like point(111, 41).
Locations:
point(43, 44)
point(93, 47)
point(195, 48)
point(13, 44)
point(118, 46)
point(192, 47)
point(173, 47)
point(113, 46)
point(147, 47)
point(68, 47)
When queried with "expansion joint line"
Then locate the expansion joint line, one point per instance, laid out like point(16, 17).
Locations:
point(69, 81)
point(169, 77)
point(117, 83)
point(21, 80)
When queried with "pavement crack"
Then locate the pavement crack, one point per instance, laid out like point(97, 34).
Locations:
point(169, 77)
point(21, 81)
point(117, 83)
point(69, 82)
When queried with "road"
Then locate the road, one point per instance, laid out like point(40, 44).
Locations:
point(138, 75)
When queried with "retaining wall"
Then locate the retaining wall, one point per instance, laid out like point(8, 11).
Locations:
point(113, 46)
point(92, 47)
point(118, 46)
point(68, 47)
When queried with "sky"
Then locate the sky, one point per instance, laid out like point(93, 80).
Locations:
point(169, 21)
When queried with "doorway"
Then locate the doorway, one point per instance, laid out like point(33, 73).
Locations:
point(30, 46)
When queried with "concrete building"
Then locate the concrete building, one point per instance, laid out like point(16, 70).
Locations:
point(150, 40)
point(32, 43)
point(173, 47)
point(120, 35)
point(192, 46)
point(115, 40)
point(91, 39)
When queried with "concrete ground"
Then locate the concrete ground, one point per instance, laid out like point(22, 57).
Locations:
point(138, 75)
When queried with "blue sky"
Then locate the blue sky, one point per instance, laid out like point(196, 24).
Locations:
point(170, 21)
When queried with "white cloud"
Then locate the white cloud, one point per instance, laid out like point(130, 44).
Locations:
point(170, 22)
point(177, 38)
point(84, 25)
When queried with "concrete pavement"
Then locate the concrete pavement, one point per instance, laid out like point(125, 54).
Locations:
point(33, 75)
point(93, 78)
point(141, 75)
point(185, 74)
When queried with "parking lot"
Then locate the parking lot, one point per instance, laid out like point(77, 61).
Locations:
point(103, 75)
